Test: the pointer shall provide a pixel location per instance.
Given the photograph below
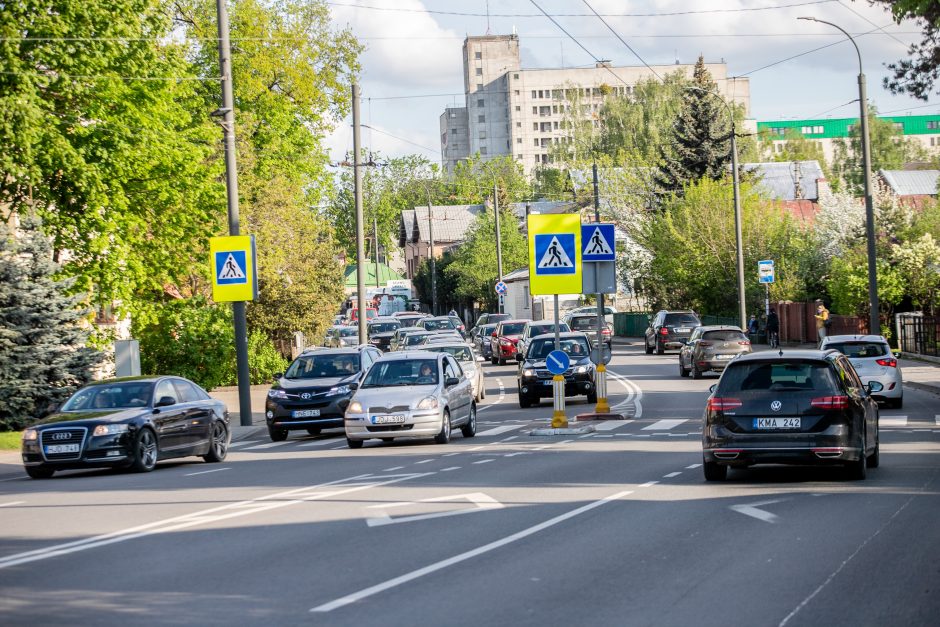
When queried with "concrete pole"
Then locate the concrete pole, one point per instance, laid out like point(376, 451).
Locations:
point(499, 244)
point(360, 227)
point(231, 188)
point(602, 407)
point(433, 262)
point(738, 237)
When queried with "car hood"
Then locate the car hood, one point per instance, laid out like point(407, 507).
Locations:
point(96, 416)
point(324, 383)
point(376, 336)
point(511, 338)
point(540, 363)
point(397, 396)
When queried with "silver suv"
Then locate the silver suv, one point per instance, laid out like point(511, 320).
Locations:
point(871, 355)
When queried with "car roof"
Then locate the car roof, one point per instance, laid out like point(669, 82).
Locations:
point(854, 338)
point(384, 319)
point(410, 329)
point(689, 311)
point(408, 355)
point(543, 321)
point(350, 350)
point(513, 320)
point(439, 317)
point(143, 379)
point(562, 335)
point(785, 355)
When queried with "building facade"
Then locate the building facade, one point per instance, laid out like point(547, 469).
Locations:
point(521, 112)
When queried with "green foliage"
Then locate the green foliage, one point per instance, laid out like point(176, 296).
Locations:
point(443, 283)
point(848, 284)
point(43, 335)
point(797, 148)
point(916, 74)
point(918, 263)
point(263, 359)
point(474, 179)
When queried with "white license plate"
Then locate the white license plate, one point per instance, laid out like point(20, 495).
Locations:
point(725, 356)
point(305, 413)
point(53, 449)
point(549, 382)
point(776, 423)
point(683, 330)
point(390, 419)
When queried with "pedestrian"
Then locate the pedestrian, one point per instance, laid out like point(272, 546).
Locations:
point(822, 320)
point(773, 329)
point(452, 312)
point(752, 327)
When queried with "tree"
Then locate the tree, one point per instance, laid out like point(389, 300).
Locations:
point(43, 335)
point(473, 180)
point(916, 75)
point(918, 263)
point(796, 148)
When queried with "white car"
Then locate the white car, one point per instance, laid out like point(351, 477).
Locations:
point(592, 309)
point(873, 361)
point(469, 361)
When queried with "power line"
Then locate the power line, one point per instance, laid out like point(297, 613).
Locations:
point(845, 104)
point(436, 151)
point(933, 104)
point(845, 6)
point(635, 53)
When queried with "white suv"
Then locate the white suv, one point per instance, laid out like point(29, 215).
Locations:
point(873, 361)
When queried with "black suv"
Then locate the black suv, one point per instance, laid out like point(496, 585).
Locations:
point(381, 331)
point(535, 381)
point(790, 407)
point(314, 392)
point(670, 329)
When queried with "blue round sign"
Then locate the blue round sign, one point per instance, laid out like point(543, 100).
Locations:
point(501, 287)
point(557, 362)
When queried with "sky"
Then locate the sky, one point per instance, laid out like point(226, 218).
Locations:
point(412, 66)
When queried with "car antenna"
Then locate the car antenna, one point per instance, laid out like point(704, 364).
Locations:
point(780, 354)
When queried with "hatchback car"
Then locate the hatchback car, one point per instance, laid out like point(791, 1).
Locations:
point(438, 323)
point(130, 422)
point(398, 337)
point(314, 391)
point(587, 324)
point(711, 348)
point(414, 339)
point(669, 330)
point(592, 309)
point(504, 339)
point(533, 328)
point(480, 336)
point(790, 407)
point(873, 361)
point(441, 336)
point(534, 381)
point(342, 337)
point(490, 318)
point(468, 360)
point(414, 394)
point(381, 331)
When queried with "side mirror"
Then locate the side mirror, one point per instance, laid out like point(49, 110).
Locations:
point(874, 386)
point(277, 375)
point(519, 357)
point(713, 387)
point(353, 386)
point(451, 381)
point(165, 401)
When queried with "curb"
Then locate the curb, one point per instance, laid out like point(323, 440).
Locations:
point(563, 431)
point(244, 433)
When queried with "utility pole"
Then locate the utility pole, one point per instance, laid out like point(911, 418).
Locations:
point(360, 228)
point(431, 259)
point(738, 237)
point(602, 406)
point(499, 244)
point(231, 188)
point(375, 240)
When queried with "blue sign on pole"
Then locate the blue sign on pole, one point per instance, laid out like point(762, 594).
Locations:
point(500, 287)
point(765, 271)
point(555, 254)
point(557, 362)
point(597, 242)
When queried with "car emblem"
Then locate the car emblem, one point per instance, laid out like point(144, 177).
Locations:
point(776, 405)
point(306, 396)
point(62, 435)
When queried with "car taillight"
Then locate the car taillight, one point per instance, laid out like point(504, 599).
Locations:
point(664, 331)
point(605, 331)
point(745, 343)
point(890, 362)
point(704, 343)
point(717, 403)
point(830, 402)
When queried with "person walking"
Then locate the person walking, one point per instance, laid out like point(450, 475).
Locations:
point(773, 329)
point(752, 327)
point(822, 320)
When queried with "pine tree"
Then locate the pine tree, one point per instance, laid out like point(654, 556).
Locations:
point(700, 142)
point(43, 357)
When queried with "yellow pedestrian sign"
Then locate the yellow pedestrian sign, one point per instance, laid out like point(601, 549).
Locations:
point(232, 259)
point(555, 254)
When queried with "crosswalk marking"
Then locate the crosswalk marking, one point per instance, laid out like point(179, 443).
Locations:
point(498, 430)
point(268, 445)
point(663, 425)
point(936, 419)
point(892, 421)
point(610, 425)
point(316, 443)
point(242, 443)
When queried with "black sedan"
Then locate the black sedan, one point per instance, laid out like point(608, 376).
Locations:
point(535, 381)
point(790, 407)
point(129, 422)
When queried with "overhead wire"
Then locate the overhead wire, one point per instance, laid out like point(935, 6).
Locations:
point(622, 40)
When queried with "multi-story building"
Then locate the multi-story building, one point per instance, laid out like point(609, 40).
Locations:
point(522, 112)
point(922, 128)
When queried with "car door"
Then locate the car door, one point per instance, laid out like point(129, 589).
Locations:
point(871, 406)
point(858, 397)
point(459, 396)
point(196, 413)
point(170, 420)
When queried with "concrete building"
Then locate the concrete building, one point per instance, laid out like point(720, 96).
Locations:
point(521, 112)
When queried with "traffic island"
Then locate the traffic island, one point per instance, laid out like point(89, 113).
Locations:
point(589, 417)
point(563, 431)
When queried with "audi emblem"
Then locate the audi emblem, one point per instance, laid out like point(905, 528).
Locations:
point(62, 435)
point(776, 405)
point(306, 396)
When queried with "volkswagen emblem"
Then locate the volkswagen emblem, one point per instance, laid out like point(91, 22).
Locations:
point(62, 435)
point(306, 396)
point(776, 405)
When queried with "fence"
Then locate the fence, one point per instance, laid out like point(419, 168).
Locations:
point(918, 334)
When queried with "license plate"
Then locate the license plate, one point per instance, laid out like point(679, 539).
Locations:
point(549, 382)
point(776, 423)
point(305, 413)
point(52, 449)
point(725, 356)
point(683, 330)
point(390, 419)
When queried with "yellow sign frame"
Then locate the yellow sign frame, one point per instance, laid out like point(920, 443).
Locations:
point(566, 225)
point(233, 265)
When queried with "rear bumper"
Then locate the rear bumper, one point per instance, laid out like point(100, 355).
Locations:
point(836, 445)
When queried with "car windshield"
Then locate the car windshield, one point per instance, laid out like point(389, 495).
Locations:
point(724, 336)
point(584, 323)
point(414, 338)
point(514, 328)
point(682, 320)
point(494, 318)
point(435, 324)
point(460, 353)
point(402, 372)
point(322, 366)
point(540, 329)
point(576, 347)
point(860, 349)
point(408, 321)
point(349, 331)
point(753, 378)
point(487, 329)
point(383, 327)
point(112, 396)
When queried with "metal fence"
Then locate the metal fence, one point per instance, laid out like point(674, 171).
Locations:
point(918, 334)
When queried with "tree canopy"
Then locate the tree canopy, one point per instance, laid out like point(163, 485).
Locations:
point(917, 74)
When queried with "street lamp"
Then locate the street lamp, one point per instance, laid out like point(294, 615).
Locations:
point(874, 319)
point(738, 238)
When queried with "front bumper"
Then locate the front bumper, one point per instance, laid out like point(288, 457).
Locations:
point(892, 383)
point(417, 423)
point(106, 451)
point(575, 385)
point(280, 413)
point(504, 351)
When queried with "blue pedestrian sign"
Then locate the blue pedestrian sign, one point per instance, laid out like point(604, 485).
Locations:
point(765, 271)
point(557, 362)
point(555, 254)
point(231, 267)
point(501, 287)
point(597, 242)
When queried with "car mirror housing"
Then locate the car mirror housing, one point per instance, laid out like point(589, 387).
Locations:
point(277, 375)
point(165, 401)
point(450, 381)
point(874, 386)
point(519, 357)
point(713, 387)
point(353, 385)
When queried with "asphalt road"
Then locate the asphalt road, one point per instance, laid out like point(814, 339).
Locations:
point(615, 527)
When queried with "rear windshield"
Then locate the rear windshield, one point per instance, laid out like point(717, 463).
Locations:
point(514, 328)
point(437, 324)
point(497, 317)
point(383, 327)
point(576, 347)
point(460, 353)
point(323, 365)
point(681, 320)
point(756, 377)
point(584, 323)
point(402, 372)
point(487, 329)
point(414, 338)
point(541, 329)
point(724, 336)
point(860, 349)
point(349, 331)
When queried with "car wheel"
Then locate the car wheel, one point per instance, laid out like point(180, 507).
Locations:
point(659, 348)
point(696, 373)
point(895, 403)
point(715, 471)
point(145, 451)
point(470, 429)
point(494, 361)
point(502, 362)
point(218, 443)
point(314, 430)
point(443, 436)
point(524, 402)
point(858, 470)
point(873, 460)
point(682, 371)
point(39, 472)
point(647, 347)
point(592, 397)
point(353, 443)
point(277, 435)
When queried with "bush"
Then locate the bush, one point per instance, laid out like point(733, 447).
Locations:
point(263, 359)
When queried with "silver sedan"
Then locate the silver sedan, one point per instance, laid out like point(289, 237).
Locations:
point(413, 394)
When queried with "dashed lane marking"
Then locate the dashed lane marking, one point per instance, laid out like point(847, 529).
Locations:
point(671, 475)
point(498, 430)
point(663, 425)
point(317, 443)
point(12, 503)
point(268, 445)
point(393, 469)
point(449, 468)
point(649, 484)
point(205, 472)
point(483, 461)
point(242, 443)
point(692, 467)
point(610, 425)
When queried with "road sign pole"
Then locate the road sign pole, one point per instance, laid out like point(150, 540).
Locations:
point(603, 407)
point(559, 417)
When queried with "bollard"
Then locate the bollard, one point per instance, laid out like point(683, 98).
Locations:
point(600, 386)
point(559, 418)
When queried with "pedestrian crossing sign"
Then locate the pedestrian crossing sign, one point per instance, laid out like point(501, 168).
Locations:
point(554, 254)
point(597, 241)
point(233, 268)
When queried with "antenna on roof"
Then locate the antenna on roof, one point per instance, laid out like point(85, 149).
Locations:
point(780, 354)
point(487, 17)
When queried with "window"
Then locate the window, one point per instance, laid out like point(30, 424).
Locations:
point(544, 111)
point(481, 118)
point(482, 134)
point(165, 388)
point(478, 54)
point(536, 142)
point(519, 140)
point(508, 144)
point(533, 94)
point(515, 77)
point(518, 108)
point(479, 71)
point(482, 150)
point(517, 92)
point(185, 391)
point(519, 157)
point(480, 102)
point(933, 125)
point(518, 124)
point(535, 110)
point(453, 114)
point(535, 126)
point(540, 94)
point(556, 126)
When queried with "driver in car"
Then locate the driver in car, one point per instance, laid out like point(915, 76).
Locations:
point(426, 375)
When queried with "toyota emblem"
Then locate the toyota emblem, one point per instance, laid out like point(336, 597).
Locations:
point(306, 396)
point(62, 435)
point(776, 405)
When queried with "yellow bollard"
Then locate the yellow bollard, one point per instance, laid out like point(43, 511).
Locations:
point(600, 383)
point(559, 418)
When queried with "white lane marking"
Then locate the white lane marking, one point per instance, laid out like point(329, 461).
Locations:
point(668, 423)
point(610, 425)
point(214, 514)
point(499, 399)
point(448, 469)
point(339, 448)
point(498, 430)
point(424, 461)
point(12, 503)
point(649, 484)
point(671, 475)
point(751, 509)
point(486, 548)
point(317, 443)
point(205, 472)
point(242, 443)
point(692, 467)
point(483, 461)
point(936, 419)
point(510, 438)
point(13, 478)
point(634, 394)
point(476, 448)
point(393, 468)
point(268, 445)
point(892, 421)
point(516, 454)
point(481, 502)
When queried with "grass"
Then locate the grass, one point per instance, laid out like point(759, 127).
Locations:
point(10, 440)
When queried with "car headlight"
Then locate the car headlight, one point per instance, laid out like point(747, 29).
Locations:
point(30, 435)
point(355, 407)
point(528, 372)
point(339, 389)
point(277, 393)
point(581, 369)
point(429, 402)
point(109, 429)
point(505, 342)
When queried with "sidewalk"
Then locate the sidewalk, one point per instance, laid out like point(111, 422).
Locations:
point(229, 396)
